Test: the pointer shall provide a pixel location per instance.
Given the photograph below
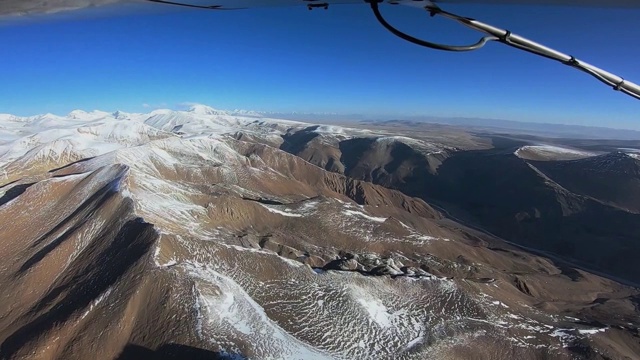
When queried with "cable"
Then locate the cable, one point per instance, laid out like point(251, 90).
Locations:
point(492, 34)
point(431, 45)
point(508, 38)
point(211, 7)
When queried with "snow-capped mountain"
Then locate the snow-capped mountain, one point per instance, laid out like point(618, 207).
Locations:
point(141, 235)
point(81, 134)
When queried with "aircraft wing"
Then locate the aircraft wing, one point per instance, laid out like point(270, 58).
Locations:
point(26, 7)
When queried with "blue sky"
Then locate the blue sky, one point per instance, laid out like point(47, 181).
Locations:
point(340, 60)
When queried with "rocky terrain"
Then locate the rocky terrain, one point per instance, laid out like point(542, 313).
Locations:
point(213, 234)
point(578, 203)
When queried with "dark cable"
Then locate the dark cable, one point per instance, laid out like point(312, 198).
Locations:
point(211, 7)
point(493, 34)
point(431, 45)
point(508, 38)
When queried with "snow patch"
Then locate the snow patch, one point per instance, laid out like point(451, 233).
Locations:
point(330, 129)
point(229, 309)
point(287, 212)
point(363, 215)
point(377, 311)
point(96, 302)
point(413, 343)
point(554, 151)
point(591, 331)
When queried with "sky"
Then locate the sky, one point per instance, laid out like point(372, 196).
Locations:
point(339, 61)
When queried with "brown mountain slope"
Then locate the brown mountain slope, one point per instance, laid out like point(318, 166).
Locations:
point(210, 246)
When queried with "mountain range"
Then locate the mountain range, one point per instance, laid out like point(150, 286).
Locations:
point(213, 234)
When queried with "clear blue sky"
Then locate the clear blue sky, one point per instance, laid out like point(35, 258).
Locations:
point(340, 60)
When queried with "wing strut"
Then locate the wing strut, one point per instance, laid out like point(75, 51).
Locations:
point(508, 38)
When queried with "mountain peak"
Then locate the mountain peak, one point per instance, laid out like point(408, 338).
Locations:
point(200, 109)
point(249, 113)
point(77, 114)
point(84, 115)
point(119, 114)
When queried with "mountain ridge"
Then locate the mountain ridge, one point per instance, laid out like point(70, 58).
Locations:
point(209, 236)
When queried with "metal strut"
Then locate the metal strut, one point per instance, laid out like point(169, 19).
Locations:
point(508, 38)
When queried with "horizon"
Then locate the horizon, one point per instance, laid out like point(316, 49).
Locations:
point(337, 117)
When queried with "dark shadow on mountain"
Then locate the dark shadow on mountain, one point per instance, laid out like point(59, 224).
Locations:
point(119, 247)
point(295, 142)
point(352, 151)
point(400, 154)
point(83, 214)
point(174, 352)
point(612, 178)
point(71, 164)
point(264, 201)
point(14, 192)
point(9, 184)
point(85, 210)
point(497, 191)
